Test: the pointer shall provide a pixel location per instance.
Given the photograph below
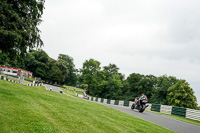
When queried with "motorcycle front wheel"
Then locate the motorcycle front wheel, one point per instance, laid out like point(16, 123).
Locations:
point(133, 106)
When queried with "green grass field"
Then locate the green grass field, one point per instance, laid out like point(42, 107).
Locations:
point(71, 87)
point(33, 109)
point(72, 92)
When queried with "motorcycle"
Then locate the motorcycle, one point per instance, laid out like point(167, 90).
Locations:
point(140, 103)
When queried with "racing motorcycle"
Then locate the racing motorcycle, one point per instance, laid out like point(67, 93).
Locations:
point(140, 103)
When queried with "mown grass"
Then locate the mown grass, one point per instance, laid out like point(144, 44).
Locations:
point(71, 87)
point(72, 92)
point(33, 109)
point(195, 122)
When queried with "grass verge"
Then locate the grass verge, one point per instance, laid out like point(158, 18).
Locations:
point(33, 109)
point(72, 92)
point(71, 87)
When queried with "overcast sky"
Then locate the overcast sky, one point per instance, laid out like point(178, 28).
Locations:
point(140, 36)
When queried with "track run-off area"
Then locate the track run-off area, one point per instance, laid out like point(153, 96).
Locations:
point(164, 121)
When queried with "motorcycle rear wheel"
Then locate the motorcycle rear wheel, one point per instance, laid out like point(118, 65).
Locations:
point(142, 109)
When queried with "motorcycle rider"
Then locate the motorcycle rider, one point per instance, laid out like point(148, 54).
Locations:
point(138, 98)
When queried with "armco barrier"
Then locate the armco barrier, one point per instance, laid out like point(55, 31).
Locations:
point(121, 103)
point(108, 101)
point(179, 111)
point(96, 99)
point(166, 109)
point(116, 102)
point(149, 107)
point(4, 78)
point(112, 102)
point(126, 103)
point(99, 100)
point(131, 103)
point(183, 112)
point(155, 107)
point(193, 114)
point(102, 100)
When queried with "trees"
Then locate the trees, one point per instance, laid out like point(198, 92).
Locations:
point(159, 95)
point(181, 95)
point(71, 77)
point(137, 84)
point(38, 63)
point(110, 70)
point(134, 89)
point(90, 73)
point(18, 25)
point(54, 73)
point(147, 85)
point(61, 64)
point(114, 87)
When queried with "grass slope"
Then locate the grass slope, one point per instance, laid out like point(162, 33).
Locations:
point(71, 87)
point(72, 92)
point(33, 109)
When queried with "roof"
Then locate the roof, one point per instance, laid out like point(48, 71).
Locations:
point(15, 68)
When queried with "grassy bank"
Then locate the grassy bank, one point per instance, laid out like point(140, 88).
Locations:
point(72, 92)
point(71, 87)
point(33, 109)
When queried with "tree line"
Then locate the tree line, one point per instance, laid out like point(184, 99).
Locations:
point(106, 81)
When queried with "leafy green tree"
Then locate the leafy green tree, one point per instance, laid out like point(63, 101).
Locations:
point(54, 74)
point(71, 77)
point(114, 87)
point(9, 61)
point(181, 95)
point(38, 63)
point(4, 59)
point(91, 75)
point(133, 85)
point(159, 95)
point(18, 25)
point(61, 64)
point(147, 85)
point(110, 70)
point(136, 84)
point(84, 86)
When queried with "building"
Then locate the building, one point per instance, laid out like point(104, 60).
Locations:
point(15, 71)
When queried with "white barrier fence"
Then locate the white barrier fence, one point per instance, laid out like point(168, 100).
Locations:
point(4, 78)
point(193, 114)
point(149, 106)
point(166, 109)
point(105, 101)
point(112, 102)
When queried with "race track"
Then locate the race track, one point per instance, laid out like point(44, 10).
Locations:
point(170, 123)
point(164, 121)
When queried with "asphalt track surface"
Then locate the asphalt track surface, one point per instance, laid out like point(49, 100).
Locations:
point(167, 122)
point(164, 121)
point(54, 88)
